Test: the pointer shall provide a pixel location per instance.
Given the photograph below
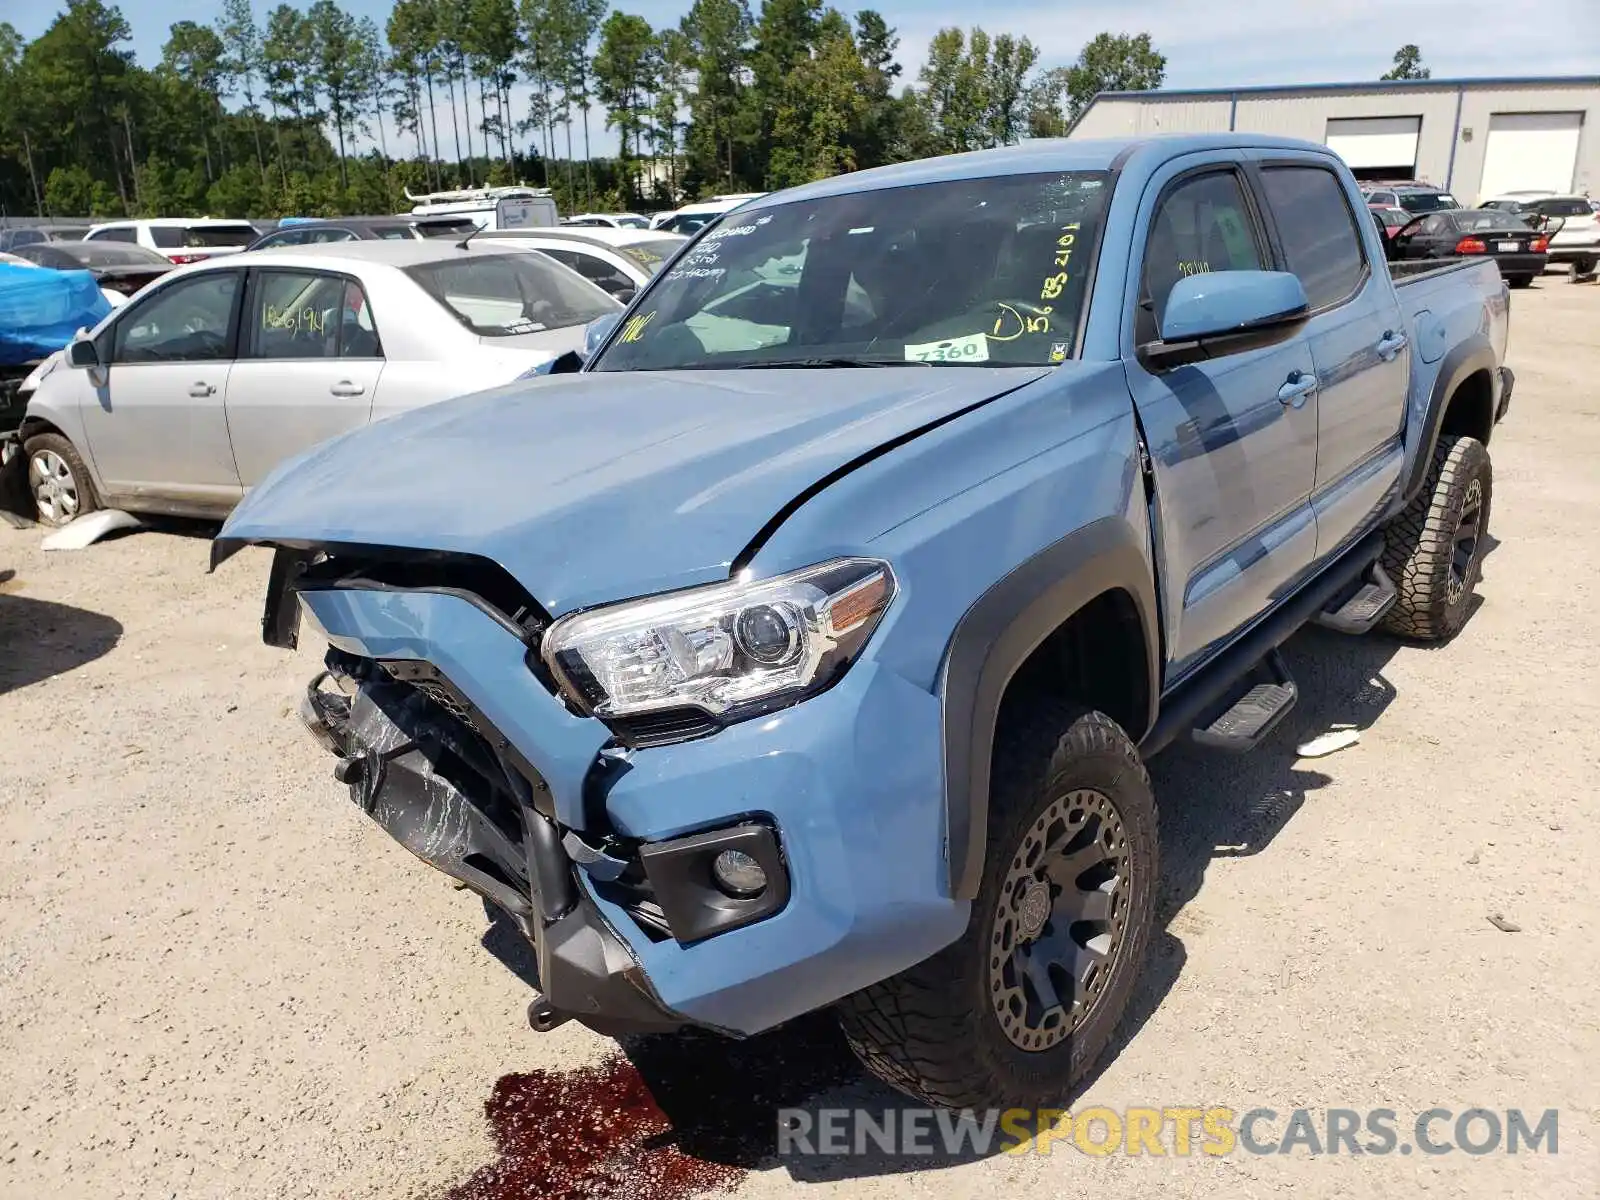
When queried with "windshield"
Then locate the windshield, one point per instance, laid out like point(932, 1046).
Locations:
point(962, 273)
point(688, 222)
point(170, 237)
point(650, 253)
point(501, 295)
point(452, 227)
point(1563, 208)
point(1482, 219)
point(1421, 202)
point(631, 223)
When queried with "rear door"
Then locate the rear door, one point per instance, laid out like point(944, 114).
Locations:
point(154, 416)
point(1358, 343)
point(309, 363)
point(1233, 440)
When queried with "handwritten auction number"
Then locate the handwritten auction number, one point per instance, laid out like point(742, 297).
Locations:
point(294, 320)
point(1056, 282)
point(949, 353)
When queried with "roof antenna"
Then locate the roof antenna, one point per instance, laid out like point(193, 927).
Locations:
point(476, 230)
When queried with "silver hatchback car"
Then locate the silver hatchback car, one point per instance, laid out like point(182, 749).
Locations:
point(187, 396)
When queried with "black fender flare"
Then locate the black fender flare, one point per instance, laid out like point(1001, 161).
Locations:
point(1464, 360)
point(995, 637)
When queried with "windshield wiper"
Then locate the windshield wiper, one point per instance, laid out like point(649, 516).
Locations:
point(835, 361)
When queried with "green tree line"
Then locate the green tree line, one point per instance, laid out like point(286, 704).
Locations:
point(306, 110)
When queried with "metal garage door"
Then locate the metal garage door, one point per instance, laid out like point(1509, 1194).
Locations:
point(1530, 152)
point(1376, 147)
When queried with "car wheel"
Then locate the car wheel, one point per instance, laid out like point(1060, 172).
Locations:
point(1519, 281)
point(1434, 549)
point(1020, 1007)
point(58, 480)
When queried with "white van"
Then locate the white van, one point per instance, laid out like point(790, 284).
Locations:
point(490, 207)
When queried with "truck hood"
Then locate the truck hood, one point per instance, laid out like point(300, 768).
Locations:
point(596, 487)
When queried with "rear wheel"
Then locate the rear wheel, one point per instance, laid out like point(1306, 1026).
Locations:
point(1519, 281)
point(58, 480)
point(1023, 1004)
point(1434, 549)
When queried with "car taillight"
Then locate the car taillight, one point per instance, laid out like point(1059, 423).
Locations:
point(1471, 246)
point(180, 259)
point(1539, 245)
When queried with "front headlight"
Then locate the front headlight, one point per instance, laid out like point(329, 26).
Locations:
point(732, 649)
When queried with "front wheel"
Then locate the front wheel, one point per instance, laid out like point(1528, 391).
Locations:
point(1020, 1007)
point(58, 480)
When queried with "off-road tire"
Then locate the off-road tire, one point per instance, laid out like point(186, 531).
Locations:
point(1421, 544)
point(53, 443)
point(932, 1031)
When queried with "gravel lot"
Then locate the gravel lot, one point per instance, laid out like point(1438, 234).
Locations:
point(217, 980)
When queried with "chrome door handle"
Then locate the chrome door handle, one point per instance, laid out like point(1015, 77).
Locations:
point(1300, 385)
point(202, 389)
point(345, 388)
point(1390, 344)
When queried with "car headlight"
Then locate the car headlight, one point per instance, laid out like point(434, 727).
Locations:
point(731, 649)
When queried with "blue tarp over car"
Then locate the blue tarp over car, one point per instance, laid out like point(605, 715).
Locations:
point(41, 310)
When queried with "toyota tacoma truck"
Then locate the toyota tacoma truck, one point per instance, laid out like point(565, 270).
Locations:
point(802, 646)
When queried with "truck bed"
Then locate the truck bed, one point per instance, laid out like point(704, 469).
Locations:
point(1405, 272)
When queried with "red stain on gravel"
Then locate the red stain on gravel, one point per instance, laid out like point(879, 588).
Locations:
point(689, 1115)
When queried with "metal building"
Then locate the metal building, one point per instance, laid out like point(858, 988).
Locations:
point(1476, 138)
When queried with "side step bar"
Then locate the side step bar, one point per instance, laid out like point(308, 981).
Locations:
point(1198, 695)
point(1365, 607)
point(1246, 723)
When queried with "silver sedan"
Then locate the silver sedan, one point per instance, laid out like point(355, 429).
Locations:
point(187, 396)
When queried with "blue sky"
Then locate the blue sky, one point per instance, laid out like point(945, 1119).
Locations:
point(1207, 44)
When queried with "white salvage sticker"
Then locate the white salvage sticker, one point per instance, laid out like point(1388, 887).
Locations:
point(966, 349)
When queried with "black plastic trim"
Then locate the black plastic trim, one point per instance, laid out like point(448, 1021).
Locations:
point(1463, 361)
point(695, 907)
point(995, 637)
point(1187, 702)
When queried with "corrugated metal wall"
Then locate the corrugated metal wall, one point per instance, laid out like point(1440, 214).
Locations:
point(1306, 115)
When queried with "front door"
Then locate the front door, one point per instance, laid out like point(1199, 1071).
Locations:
point(308, 369)
point(1233, 440)
point(154, 417)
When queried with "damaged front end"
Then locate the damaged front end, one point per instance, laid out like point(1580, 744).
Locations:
point(411, 752)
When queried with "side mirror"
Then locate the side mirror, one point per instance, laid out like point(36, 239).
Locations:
point(82, 353)
point(1225, 312)
point(597, 331)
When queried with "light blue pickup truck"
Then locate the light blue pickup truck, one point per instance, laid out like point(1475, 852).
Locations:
point(803, 648)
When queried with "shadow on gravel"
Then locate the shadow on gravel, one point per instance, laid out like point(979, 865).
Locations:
point(674, 1116)
point(39, 639)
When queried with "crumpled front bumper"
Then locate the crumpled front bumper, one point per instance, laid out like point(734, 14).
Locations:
point(841, 797)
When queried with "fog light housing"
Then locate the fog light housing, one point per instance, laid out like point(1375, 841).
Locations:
point(738, 874)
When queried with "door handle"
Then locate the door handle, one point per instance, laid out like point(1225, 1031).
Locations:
point(346, 388)
point(201, 388)
point(1300, 385)
point(1390, 344)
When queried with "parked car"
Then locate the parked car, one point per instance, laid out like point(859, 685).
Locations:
point(1391, 216)
point(360, 229)
point(490, 207)
point(691, 218)
point(819, 669)
point(119, 269)
point(1571, 221)
point(190, 394)
point(608, 220)
point(618, 260)
point(179, 239)
point(1518, 250)
point(24, 235)
point(1414, 198)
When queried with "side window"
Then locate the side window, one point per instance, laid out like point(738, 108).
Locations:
point(186, 322)
point(1319, 234)
point(1202, 225)
point(305, 314)
point(596, 270)
point(1434, 226)
point(120, 234)
point(316, 236)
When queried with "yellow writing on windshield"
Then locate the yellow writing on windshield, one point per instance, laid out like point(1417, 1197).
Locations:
point(1056, 282)
point(1017, 323)
point(634, 329)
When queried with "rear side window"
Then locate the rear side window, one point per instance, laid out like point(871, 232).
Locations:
point(172, 237)
point(1202, 225)
point(296, 315)
point(122, 233)
point(1318, 231)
